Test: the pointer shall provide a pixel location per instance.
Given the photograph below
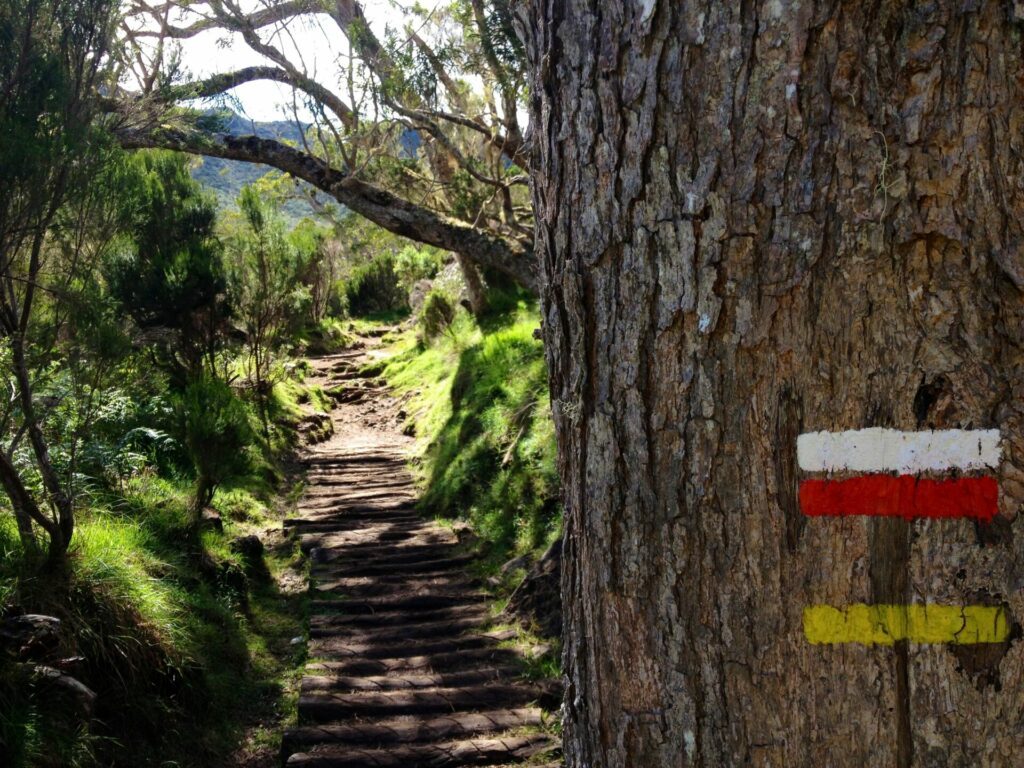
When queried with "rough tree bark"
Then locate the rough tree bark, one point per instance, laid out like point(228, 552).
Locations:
point(475, 288)
point(757, 219)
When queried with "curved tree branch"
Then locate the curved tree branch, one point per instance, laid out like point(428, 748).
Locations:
point(262, 18)
point(218, 84)
point(378, 205)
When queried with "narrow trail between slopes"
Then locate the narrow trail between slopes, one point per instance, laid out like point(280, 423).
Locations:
point(404, 669)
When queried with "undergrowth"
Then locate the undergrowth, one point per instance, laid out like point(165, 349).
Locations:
point(477, 400)
point(186, 645)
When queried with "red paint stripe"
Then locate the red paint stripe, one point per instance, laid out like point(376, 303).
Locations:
point(901, 496)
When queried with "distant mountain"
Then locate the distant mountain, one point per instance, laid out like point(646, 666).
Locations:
point(227, 177)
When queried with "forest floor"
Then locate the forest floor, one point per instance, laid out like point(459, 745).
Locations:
point(408, 665)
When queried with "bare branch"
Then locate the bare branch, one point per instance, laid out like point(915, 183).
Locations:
point(458, 98)
point(218, 84)
point(257, 20)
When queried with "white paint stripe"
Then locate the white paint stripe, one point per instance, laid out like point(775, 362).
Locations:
point(891, 450)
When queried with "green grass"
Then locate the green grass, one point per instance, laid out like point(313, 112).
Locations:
point(191, 658)
point(373, 320)
point(182, 663)
point(477, 397)
point(329, 335)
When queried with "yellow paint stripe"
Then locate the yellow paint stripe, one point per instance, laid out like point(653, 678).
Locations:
point(919, 623)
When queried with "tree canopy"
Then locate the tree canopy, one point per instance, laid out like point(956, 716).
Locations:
point(417, 129)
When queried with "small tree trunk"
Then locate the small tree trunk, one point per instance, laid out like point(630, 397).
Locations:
point(474, 285)
point(25, 508)
point(759, 219)
point(60, 536)
point(26, 534)
point(205, 489)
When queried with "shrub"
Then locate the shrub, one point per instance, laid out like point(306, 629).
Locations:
point(216, 429)
point(414, 264)
point(375, 287)
point(437, 314)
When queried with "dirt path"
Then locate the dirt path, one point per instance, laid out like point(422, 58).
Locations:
point(404, 671)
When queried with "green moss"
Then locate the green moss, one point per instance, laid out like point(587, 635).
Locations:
point(328, 336)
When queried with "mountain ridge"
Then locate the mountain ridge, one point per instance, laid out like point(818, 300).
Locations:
point(227, 177)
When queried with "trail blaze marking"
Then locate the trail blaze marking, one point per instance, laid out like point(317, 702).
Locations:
point(918, 623)
point(901, 496)
point(881, 476)
point(892, 450)
point(893, 461)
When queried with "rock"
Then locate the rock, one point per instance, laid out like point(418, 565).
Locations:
point(211, 521)
point(29, 634)
point(226, 576)
point(232, 577)
point(515, 564)
point(70, 664)
point(539, 650)
point(465, 534)
point(316, 427)
point(418, 294)
point(81, 696)
point(538, 600)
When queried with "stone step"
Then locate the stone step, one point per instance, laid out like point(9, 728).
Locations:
point(451, 754)
point(338, 648)
point(485, 674)
point(322, 627)
point(394, 585)
point(441, 661)
point(346, 499)
point(409, 730)
point(420, 568)
point(342, 459)
point(406, 603)
point(327, 535)
point(398, 554)
point(322, 706)
point(342, 522)
point(390, 619)
point(373, 546)
point(341, 513)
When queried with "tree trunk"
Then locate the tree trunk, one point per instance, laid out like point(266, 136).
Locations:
point(59, 498)
point(475, 289)
point(26, 510)
point(756, 220)
point(203, 495)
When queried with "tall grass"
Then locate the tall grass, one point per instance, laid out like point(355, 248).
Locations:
point(180, 661)
point(477, 398)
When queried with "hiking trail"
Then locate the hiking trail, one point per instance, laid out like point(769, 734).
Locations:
point(404, 668)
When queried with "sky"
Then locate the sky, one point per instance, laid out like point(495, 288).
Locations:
point(315, 40)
